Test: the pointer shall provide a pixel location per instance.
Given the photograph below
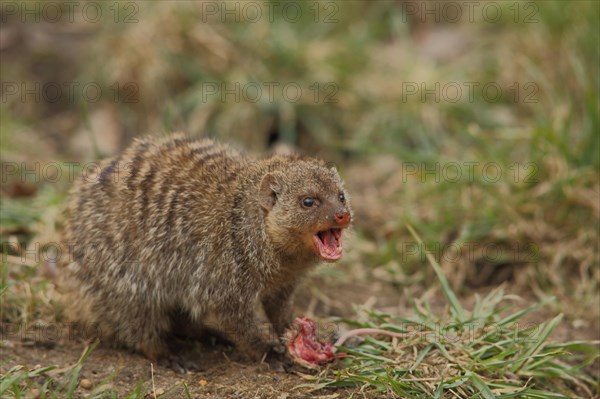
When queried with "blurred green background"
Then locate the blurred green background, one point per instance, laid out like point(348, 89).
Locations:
point(475, 122)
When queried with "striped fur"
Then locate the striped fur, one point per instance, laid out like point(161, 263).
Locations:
point(177, 225)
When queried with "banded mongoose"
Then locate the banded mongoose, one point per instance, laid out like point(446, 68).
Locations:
point(194, 227)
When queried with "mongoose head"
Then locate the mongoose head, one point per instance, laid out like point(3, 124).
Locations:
point(306, 210)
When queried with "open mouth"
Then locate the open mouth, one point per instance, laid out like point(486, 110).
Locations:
point(328, 244)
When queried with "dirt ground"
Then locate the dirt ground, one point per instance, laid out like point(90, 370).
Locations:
point(224, 372)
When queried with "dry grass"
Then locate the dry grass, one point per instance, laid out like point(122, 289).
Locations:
point(541, 216)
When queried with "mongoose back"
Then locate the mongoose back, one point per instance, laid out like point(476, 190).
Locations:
point(194, 227)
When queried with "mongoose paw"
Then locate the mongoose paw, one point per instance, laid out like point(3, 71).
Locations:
point(278, 359)
point(179, 363)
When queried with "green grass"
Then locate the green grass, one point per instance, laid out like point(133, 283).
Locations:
point(51, 382)
point(546, 217)
point(489, 351)
point(20, 380)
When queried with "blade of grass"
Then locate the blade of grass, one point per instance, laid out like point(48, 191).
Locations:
point(480, 385)
point(420, 357)
point(456, 307)
point(540, 339)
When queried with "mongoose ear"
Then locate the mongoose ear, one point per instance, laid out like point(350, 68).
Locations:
point(269, 189)
point(331, 166)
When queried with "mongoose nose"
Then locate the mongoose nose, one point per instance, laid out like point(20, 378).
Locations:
point(342, 217)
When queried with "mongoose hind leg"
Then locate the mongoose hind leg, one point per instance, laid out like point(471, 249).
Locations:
point(142, 327)
point(163, 347)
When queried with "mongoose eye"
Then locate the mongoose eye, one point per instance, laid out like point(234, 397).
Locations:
point(308, 202)
point(342, 198)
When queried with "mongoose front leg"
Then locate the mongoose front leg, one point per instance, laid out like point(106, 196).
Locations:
point(242, 326)
point(278, 308)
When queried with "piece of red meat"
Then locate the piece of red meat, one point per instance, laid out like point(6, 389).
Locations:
point(303, 346)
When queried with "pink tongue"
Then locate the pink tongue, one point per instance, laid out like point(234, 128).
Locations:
point(329, 240)
point(329, 244)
